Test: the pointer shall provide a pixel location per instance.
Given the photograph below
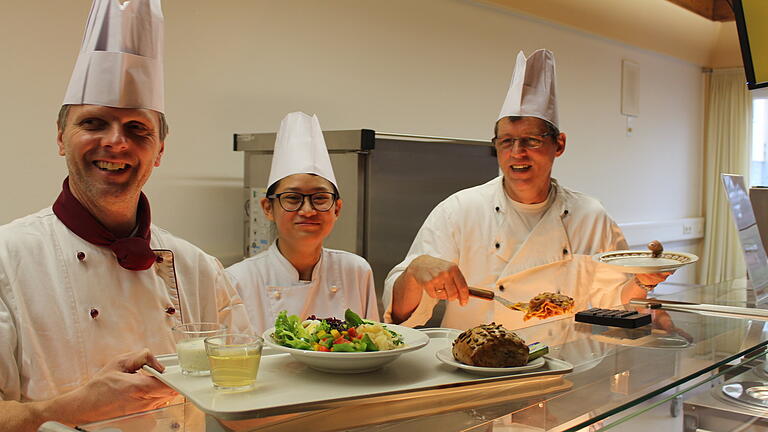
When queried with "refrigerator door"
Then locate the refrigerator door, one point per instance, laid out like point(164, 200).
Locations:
point(407, 178)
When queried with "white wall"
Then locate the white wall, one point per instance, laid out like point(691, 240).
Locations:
point(432, 67)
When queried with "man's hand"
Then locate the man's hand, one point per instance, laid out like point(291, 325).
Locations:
point(439, 278)
point(119, 388)
point(652, 279)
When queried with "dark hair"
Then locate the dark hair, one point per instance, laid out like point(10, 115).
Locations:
point(271, 190)
point(162, 123)
point(551, 129)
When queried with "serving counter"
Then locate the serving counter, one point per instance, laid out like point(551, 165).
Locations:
point(618, 375)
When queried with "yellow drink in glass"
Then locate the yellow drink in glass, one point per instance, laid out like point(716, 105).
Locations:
point(234, 360)
point(234, 371)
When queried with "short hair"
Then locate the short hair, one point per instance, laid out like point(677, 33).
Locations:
point(162, 123)
point(273, 187)
point(551, 129)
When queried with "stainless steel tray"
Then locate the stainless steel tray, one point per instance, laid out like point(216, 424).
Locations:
point(286, 386)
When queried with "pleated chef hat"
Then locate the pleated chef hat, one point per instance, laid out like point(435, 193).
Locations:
point(300, 149)
point(120, 63)
point(532, 90)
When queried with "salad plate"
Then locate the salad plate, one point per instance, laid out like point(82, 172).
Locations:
point(352, 362)
point(445, 355)
point(639, 261)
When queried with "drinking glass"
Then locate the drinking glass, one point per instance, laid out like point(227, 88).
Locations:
point(190, 346)
point(234, 360)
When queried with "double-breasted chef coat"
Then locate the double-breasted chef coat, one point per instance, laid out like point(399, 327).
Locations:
point(67, 307)
point(472, 227)
point(268, 283)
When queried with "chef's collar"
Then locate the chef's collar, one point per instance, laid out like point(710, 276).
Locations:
point(132, 253)
point(288, 267)
point(503, 200)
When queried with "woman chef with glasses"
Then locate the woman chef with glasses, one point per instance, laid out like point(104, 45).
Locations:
point(297, 273)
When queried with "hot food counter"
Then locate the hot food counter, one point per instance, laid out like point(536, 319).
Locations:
point(595, 377)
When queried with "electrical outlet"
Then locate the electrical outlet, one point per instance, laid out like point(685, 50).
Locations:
point(687, 229)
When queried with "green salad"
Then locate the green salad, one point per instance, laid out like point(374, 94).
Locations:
point(352, 334)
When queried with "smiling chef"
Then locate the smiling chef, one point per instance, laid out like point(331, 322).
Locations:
point(89, 288)
point(520, 234)
point(297, 273)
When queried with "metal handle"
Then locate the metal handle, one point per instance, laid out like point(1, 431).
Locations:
point(721, 310)
point(481, 293)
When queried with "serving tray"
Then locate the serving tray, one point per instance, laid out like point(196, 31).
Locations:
point(286, 386)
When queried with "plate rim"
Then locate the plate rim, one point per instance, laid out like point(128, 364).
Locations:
point(450, 361)
point(424, 340)
point(637, 268)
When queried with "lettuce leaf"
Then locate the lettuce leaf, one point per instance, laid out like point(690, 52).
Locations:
point(289, 332)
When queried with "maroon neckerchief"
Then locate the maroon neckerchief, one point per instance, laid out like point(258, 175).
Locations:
point(132, 253)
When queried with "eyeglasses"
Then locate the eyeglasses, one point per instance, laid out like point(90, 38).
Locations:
point(292, 201)
point(527, 142)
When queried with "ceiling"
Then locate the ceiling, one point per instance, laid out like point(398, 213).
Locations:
point(715, 10)
point(696, 31)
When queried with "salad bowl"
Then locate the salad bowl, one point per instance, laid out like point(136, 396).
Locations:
point(352, 362)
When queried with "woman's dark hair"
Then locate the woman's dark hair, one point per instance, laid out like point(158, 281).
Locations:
point(271, 190)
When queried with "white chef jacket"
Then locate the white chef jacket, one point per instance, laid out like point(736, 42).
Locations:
point(67, 307)
point(268, 283)
point(470, 228)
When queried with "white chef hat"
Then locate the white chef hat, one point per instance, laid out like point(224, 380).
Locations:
point(120, 63)
point(300, 149)
point(532, 90)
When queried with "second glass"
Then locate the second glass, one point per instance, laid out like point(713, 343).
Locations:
point(191, 348)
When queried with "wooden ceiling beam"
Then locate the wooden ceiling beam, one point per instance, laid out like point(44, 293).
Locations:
point(722, 11)
point(714, 10)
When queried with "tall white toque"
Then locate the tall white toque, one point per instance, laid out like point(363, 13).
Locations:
point(532, 90)
point(300, 149)
point(120, 63)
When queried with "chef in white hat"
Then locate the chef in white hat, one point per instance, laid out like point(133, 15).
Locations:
point(520, 234)
point(296, 273)
point(89, 288)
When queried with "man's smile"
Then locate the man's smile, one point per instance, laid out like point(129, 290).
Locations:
point(111, 166)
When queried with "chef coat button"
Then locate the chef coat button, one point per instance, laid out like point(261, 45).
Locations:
point(93, 312)
point(158, 259)
point(81, 256)
point(498, 245)
point(334, 288)
point(170, 310)
point(497, 208)
point(565, 251)
point(565, 212)
point(501, 287)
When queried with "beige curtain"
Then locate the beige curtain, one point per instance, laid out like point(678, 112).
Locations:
point(728, 118)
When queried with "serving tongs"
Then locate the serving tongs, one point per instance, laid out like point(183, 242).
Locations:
point(709, 309)
point(490, 295)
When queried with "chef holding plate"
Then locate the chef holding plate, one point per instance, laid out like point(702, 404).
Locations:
point(520, 234)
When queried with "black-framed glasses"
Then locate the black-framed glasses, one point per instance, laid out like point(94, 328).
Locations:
point(531, 142)
point(292, 201)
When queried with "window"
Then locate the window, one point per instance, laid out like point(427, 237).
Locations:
point(758, 170)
